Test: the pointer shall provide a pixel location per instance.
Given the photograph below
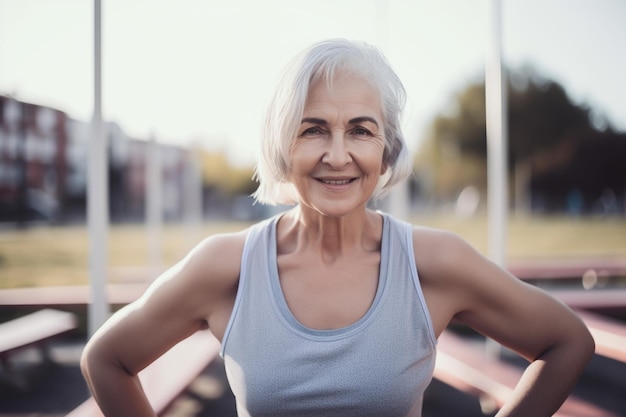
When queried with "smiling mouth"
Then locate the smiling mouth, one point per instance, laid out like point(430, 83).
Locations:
point(336, 182)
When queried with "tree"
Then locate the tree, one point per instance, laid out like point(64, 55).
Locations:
point(546, 132)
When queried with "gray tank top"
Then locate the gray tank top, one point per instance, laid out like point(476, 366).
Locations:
point(378, 366)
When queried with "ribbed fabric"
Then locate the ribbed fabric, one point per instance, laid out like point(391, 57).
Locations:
point(377, 366)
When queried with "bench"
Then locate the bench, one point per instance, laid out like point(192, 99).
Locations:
point(566, 268)
point(169, 375)
point(32, 330)
point(609, 335)
point(117, 294)
point(464, 365)
point(609, 299)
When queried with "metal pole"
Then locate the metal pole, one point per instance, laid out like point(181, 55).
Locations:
point(21, 163)
point(154, 206)
point(193, 199)
point(97, 193)
point(495, 98)
point(398, 200)
point(497, 190)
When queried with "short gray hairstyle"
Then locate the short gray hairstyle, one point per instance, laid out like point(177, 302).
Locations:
point(323, 61)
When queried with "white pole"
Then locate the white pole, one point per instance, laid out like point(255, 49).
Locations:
point(397, 201)
point(154, 206)
point(193, 198)
point(97, 193)
point(495, 97)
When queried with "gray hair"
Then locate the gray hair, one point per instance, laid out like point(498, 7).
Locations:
point(323, 61)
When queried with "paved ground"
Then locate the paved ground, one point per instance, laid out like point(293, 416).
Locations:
point(58, 387)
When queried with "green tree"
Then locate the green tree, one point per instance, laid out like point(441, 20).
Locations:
point(544, 128)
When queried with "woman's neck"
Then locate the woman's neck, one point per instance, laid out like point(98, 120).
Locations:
point(303, 229)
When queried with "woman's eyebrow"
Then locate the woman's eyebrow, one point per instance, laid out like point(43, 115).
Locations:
point(353, 121)
point(362, 119)
point(314, 120)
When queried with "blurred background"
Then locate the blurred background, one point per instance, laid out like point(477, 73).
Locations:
point(184, 90)
point(195, 77)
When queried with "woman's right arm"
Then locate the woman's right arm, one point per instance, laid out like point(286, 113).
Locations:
point(181, 301)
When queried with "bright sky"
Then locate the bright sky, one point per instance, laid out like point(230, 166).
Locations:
point(203, 70)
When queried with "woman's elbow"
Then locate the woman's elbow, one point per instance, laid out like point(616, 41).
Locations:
point(582, 342)
point(588, 344)
point(87, 360)
point(94, 359)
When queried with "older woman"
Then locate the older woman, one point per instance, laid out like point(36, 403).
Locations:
point(331, 308)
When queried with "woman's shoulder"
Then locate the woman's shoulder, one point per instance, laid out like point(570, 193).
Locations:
point(218, 253)
point(441, 253)
point(216, 260)
point(428, 242)
point(212, 266)
point(428, 236)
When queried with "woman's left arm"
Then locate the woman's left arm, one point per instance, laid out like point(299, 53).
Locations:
point(525, 319)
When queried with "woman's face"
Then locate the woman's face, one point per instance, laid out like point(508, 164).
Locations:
point(337, 156)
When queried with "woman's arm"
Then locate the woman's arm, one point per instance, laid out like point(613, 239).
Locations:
point(186, 298)
point(474, 291)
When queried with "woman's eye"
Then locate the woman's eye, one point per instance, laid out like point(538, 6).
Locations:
point(315, 130)
point(359, 131)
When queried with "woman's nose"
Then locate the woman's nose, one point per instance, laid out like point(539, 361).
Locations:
point(337, 153)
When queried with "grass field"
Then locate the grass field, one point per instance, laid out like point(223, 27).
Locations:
point(45, 256)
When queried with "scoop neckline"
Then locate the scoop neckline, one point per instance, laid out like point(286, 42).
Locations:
point(292, 323)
